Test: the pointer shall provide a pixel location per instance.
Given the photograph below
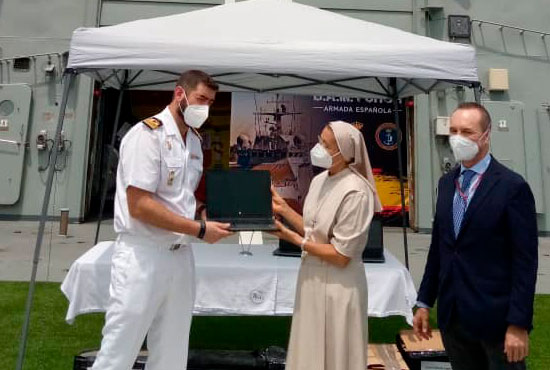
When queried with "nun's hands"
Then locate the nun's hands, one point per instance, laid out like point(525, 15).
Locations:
point(286, 234)
point(280, 206)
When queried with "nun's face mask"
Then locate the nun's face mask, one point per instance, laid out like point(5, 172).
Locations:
point(320, 156)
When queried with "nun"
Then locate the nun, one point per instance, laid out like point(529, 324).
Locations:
point(329, 325)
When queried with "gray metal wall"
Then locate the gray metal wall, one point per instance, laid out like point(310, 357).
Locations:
point(46, 27)
point(37, 27)
point(522, 145)
point(396, 13)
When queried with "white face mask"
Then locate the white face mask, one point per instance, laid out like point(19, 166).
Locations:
point(464, 149)
point(320, 157)
point(194, 115)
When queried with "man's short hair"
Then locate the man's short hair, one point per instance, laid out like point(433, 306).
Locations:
point(485, 116)
point(189, 80)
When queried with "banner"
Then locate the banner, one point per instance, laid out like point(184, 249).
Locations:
point(276, 132)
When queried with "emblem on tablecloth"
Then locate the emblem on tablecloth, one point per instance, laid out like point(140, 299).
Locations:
point(257, 296)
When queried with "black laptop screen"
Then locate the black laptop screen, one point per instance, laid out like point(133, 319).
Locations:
point(235, 194)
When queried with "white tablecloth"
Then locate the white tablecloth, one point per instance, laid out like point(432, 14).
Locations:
point(232, 284)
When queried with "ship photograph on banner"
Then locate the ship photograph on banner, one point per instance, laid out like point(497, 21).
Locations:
point(275, 132)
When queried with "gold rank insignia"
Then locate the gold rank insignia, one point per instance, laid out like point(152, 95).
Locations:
point(171, 175)
point(153, 123)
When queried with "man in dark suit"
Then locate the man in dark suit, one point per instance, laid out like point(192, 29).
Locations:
point(482, 263)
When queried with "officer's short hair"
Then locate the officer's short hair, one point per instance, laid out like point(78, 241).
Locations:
point(485, 116)
point(189, 80)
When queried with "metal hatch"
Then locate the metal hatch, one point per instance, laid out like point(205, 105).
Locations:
point(15, 100)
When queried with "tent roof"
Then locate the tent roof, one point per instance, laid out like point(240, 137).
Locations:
point(271, 45)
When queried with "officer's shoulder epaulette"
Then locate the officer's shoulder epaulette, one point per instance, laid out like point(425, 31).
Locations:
point(153, 123)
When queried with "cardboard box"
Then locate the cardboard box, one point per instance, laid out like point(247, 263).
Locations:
point(422, 354)
point(385, 357)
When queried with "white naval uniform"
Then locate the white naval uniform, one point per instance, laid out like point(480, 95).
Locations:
point(152, 286)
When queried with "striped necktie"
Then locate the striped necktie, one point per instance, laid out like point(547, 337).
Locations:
point(459, 204)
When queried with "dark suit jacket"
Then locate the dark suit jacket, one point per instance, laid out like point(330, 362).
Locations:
point(486, 276)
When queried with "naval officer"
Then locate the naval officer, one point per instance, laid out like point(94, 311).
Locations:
point(152, 285)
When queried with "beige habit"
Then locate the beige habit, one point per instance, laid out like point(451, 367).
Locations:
point(329, 324)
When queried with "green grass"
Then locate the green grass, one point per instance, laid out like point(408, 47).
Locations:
point(53, 343)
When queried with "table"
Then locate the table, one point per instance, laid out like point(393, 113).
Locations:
point(229, 283)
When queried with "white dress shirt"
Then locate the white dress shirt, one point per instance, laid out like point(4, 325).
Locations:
point(158, 161)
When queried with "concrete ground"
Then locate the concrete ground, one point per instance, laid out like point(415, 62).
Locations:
point(18, 239)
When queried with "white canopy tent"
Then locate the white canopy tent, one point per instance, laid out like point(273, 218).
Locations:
point(262, 46)
point(271, 45)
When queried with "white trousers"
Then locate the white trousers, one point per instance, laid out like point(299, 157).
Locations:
point(152, 292)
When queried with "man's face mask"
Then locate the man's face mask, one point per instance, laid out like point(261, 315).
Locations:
point(194, 115)
point(465, 149)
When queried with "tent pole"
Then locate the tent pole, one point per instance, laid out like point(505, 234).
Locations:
point(477, 91)
point(110, 156)
point(401, 135)
point(68, 78)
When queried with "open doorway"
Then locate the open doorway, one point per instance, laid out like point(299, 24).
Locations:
point(136, 106)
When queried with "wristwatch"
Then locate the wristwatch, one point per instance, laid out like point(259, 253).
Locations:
point(202, 230)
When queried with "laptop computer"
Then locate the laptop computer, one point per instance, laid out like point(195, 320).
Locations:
point(241, 198)
point(373, 252)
